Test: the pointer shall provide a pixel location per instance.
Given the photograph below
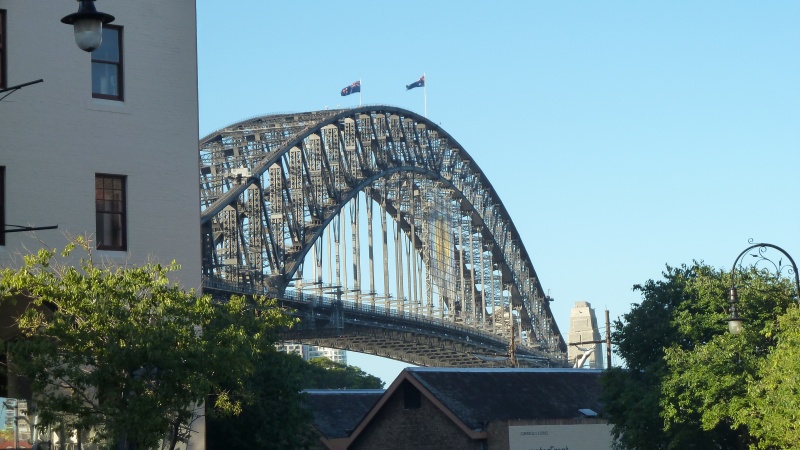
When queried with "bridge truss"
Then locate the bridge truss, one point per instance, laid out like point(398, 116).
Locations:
point(380, 211)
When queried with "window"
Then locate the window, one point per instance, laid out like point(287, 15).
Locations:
point(107, 65)
point(3, 205)
point(412, 397)
point(3, 374)
point(2, 49)
point(109, 201)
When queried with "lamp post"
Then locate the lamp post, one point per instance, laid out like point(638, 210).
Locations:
point(88, 24)
point(734, 321)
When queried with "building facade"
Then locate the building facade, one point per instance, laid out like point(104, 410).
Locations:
point(119, 123)
point(106, 145)
point(309, 352)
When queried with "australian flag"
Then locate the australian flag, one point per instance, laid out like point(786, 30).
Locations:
point(416, 84)
point(352, 89)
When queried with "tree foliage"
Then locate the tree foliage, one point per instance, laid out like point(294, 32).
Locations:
point(121, 351)
point(772, 412)
point(633, 395)
point(274, 416)
point(686, 382)
point(323, 373)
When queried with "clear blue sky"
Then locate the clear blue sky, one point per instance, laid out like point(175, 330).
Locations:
point(620, 135)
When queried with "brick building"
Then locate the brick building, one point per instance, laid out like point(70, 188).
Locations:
point(435, 408)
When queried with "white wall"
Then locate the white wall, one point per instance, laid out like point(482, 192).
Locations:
point(54, 136)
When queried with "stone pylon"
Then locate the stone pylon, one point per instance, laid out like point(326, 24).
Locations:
point(583, 328)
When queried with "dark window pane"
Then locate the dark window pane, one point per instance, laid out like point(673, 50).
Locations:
point(107, 65)
point(109, 48)
point(109, 233)
point(110, 212)
point(412, 398)
point(105, 79)
point(2, 49)
point(3, 204)
point(3, 376)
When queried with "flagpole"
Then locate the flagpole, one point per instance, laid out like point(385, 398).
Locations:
point(359, 92)
point(425, 93)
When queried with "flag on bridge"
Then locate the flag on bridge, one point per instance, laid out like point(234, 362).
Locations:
point(416, 84)
point(420, 83)
point(352, 89)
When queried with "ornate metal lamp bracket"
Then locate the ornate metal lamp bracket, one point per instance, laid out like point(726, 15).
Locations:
point(734, 321)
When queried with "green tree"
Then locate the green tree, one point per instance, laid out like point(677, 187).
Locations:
point(633, 395)
point(272, 415)
point(773, 400)
point(707, 381)
point(122, 352)
point(686, 381)
point(323, 373)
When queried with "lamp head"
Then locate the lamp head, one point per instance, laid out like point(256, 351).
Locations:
point(88, 24)
point(735, 326)
point(735, 323)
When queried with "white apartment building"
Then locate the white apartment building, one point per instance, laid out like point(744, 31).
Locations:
point(309, 352)
point(106, 145)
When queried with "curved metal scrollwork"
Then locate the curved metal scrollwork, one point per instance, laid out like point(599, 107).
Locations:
point(761, 259)
point(734, 321)
point(286, 192)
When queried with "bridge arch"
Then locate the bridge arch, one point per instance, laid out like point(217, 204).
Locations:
point(277, 189)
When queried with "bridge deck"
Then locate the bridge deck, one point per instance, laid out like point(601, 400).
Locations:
point(413, 338)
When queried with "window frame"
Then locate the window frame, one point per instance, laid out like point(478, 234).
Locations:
point(3, 49)
point(3, 374)
point(119, 64)
point(122, 213)
point(3, 204)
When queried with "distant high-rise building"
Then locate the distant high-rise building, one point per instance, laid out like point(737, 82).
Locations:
point(583, 328)
point(309, 352)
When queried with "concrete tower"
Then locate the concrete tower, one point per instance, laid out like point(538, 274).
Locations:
point(583, 328)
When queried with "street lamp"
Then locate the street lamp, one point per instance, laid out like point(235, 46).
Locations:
point(735, 323)
point(88, 23)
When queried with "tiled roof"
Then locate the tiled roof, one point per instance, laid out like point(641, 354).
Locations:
point(337, 412)
point(478, 396)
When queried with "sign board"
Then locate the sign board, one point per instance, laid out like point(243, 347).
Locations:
point(13, 414)
point(590, 436)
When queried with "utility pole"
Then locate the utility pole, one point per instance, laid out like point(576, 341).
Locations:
point(512, 351)
point(608, 342)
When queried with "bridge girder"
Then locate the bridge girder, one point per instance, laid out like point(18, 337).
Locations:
point(272, 186)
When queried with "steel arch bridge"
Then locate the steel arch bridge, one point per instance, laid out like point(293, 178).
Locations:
point(380, 231)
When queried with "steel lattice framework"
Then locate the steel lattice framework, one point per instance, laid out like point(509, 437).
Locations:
point(284, 192)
